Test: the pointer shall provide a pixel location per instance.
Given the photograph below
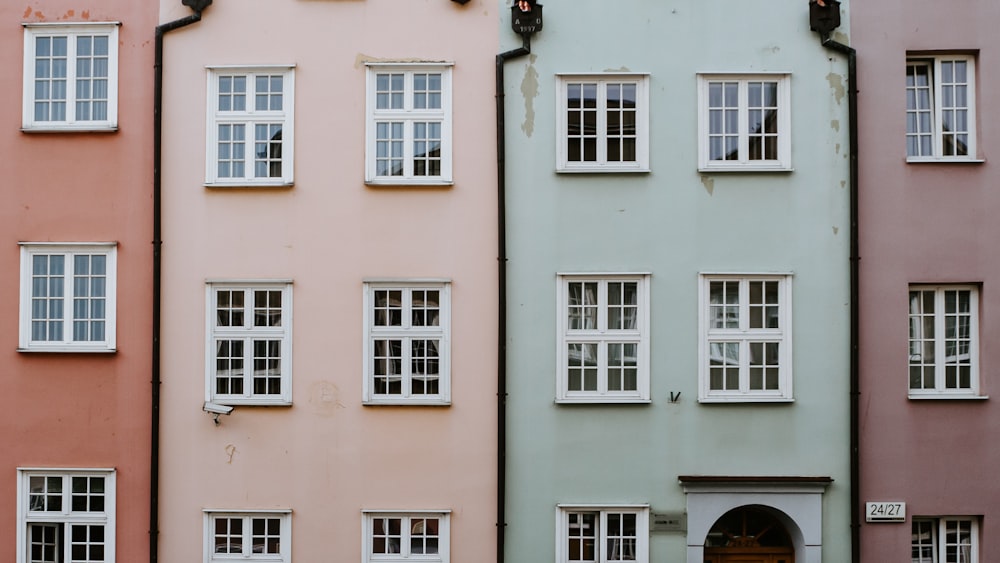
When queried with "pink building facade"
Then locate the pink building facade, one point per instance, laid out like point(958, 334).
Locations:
point(329, 282)
point(929, 276)
point(75, 223)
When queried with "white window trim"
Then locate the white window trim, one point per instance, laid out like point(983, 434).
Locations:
point(408, 115)
point(782, 335)
point(934, 61)
point(641, 163)
point(940, 532)
point(443, 331)
point(284, 333)
point(285, 515)
point(29, 249)
point(940, 392)
point(444, 535)
point(33, 30)
point(641, 528)
point(249, 117)
point(640, 336)
point(25, 516)
point(784, 161)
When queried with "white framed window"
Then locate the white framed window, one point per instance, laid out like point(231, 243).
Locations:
point(70, 77)
point(408, 124)
point(746, 338)
point(603, 333)
point(952, 539)
point(248, 536)
point(396, 537)
point(407, 346)
point(602, 123)
point(68, 297)
point(941, 108)
point(249, 359)
point(744, 122)
point(602, 534)
point(944, 341)
point(65, 515)
point(250, 126)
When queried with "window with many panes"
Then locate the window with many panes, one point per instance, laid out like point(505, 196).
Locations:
point(67, 297)
point(602, 534)
point(603, 334)
point(248, 536)
point(409, 124)
point(746, 349)
point(941, 108)
point(395, 537)
point(66, 515)
point(603, 123)
point(250, 126)
point(70, 76)
point(407, 342)
point(744, 122)
point(249, 343)
point(953, 539)
point(944, 341)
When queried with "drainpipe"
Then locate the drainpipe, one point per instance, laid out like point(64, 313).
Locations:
point(154, 461)
point(525, 32)
point(824, 17)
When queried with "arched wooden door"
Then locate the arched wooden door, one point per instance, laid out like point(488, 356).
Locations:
point(748, 534)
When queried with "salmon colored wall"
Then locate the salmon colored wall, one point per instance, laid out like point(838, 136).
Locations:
point(327, 457)
point(80, 410)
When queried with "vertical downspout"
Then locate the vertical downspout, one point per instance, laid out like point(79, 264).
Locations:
point(502, 294)
point(154, 461)
point(852, 108)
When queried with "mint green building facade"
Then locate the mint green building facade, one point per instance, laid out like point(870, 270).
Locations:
point(678, 237)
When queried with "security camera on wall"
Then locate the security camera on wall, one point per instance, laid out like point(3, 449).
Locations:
point(216, 409)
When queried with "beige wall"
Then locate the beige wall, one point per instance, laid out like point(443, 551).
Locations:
point(327, 457)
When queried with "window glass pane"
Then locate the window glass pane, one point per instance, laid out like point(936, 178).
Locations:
point(582, 534)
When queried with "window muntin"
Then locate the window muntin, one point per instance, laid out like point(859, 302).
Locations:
point(66, 515)
point(944, 540)
point(940, 108)
point(744, 122)
point(943, 340)
point(254, 536)
point(409, 125)
point(746, 338)
point(250, 122)
point(603, 335)
point(407, 343)
point(68, 297)
point(70, 76)
point(397, 537)
point(603, 123)
point(602, 534)
point(249, 343)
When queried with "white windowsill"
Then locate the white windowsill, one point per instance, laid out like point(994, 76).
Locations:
point(252, 402)
point(602, 170)
point(603, 401)
point(744, 399)
point(942, 160)
point(744, 168)
point(406, 403)
point(70, 129)
point(946, 397)
point(69, 350)
point(376, 183)
point(250, 185)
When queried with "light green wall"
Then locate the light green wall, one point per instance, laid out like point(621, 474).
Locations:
point(674, 223)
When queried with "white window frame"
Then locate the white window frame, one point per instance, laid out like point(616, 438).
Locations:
point(247, 334)
point(564, 520)
point(65, 516)
point(406, 332)
point(743, 336)
point(941, 389)
point(68, 250)
point(935, 91)
point(368, 526)
point(938, 530)
point(564, 82)
point(249, 118)
point(602, 336)
point(249, 553)
point(408, 116)
point(71, 31)
point(743, 162)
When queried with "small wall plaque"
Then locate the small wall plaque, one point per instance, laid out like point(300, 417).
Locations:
point(885, 511)
point(668, 522)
